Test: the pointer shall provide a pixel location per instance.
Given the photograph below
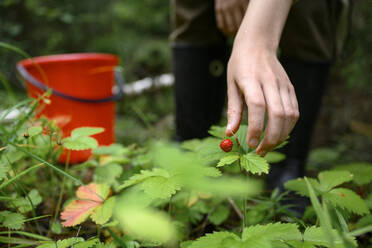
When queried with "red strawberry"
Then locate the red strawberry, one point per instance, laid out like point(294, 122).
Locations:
point(226, 145)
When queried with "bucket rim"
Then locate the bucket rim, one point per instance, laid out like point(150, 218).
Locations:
point(69, 57)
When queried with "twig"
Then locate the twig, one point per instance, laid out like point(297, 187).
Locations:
point(235, 207)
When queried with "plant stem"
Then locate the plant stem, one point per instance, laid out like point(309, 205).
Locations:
point(62, 187)
point(244, 222)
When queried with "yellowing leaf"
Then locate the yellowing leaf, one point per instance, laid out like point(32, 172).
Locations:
point(90, 198)
point(78, 211)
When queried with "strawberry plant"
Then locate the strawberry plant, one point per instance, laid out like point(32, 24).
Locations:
point(201, 193)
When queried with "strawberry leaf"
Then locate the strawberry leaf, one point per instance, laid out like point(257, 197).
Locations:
point(255, 164)
point(89, 199)
point(82, 143)
point(229, 159)
point(348, 200)
point(103, 213)
point(86, 131)
point(330, 179)
point(11, 220)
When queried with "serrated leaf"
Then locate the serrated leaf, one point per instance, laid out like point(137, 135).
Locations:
point(90, 197)
point(146, 224)
point(229, 159)
point(316, 236)
point(86, 131)
point(241, 135)
point(23, 204)
point(210, 172)
point(144, 174)
point(82, 143)
point(362, 172)
point(299, 186)
point(114, 150)
point(191, 145)
point(12, 220)
point(3, 170)
point(348, 200)
point(161, 187)
point(64, 243)
point(273, 231)
point(213, 240)
point(254, 164)
point(209, 150)
point(103, 213)
point(219, 215)
point(87, 244)
point(107, 173)
point(33, 131)
point(330, 179)
point(217, 131)
point(274, 157)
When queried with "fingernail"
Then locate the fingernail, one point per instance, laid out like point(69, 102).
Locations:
point(253, 143)
point(262, 153)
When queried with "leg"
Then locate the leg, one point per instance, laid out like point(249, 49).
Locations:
point(308, 47)
point(199, 62)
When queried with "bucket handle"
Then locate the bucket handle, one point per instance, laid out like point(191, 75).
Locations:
point(118, 78)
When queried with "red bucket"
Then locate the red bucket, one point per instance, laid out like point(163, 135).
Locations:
point(82, 93)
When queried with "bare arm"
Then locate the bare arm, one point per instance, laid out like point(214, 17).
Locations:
point(256, 76)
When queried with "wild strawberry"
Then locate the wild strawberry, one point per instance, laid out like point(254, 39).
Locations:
point(226, 145)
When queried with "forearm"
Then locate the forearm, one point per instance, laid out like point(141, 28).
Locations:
point(263, 23)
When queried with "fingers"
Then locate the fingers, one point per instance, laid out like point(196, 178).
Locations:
point(234, 108)
point(275, 118)
point(256, 112)
point(228, 17)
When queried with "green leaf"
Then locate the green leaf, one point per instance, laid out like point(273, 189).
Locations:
point(364, 221)
point(144, 174)
point(86, 131)
point(191, 145)
point(274, 157)
point(213, 240)
point(299, 186)
point(23, 204)
point(321, 213)
point(12, 220)
point(241, 135)
point(219, 215)
point(209, 150)
point(255, 164)
point(56, 227)
point(107, 173)
point(33, 131)
point(272, 232)
point(316, 236)
point(362, 172)
point(146, 224)
point(3, 170)
point(87, 244)
point(64, 243)
point(330, 179)
point(348, 200)
point(229, 159)
point(103, 213)
point(82, 143)
point(217, 131)
point(161, 187)
point(114, 150)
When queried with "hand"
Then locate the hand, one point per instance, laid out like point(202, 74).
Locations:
point(229, 14)
point(255, 75)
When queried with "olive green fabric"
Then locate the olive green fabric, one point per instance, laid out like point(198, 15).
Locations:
point(315, 29)
point(194, 23)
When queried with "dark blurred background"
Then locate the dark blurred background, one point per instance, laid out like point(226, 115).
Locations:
point(137, 31)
